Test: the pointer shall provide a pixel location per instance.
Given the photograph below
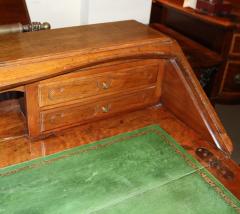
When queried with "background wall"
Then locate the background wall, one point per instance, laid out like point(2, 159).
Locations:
point(63, 13)
point(105, 10)
point(60, 13)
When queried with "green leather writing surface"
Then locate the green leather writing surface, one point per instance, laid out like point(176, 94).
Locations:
point(140, 172)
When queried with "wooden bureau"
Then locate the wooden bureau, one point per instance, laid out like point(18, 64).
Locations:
point(83, 84)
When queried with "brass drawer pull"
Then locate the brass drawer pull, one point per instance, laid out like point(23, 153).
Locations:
point(105, 85)
point(106, 109)
point(237, 79)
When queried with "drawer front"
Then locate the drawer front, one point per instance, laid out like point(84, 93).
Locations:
point(235, 47)
point(72, 87)
point(54, 119)
point(232, 77)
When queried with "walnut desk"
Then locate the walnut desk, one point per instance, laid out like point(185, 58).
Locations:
point(86, 83)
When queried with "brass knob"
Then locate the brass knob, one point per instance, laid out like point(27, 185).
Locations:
point(46, 26)
point(237, 79)
point(36, 26)
point(106, 109)
point(105, 85)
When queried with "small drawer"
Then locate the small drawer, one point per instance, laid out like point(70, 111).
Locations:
point(110, 80)
point(235, 47)
point(232, 77)
point(67, 116)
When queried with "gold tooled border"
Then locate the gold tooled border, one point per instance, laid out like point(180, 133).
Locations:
point(45, 162)
point(208, 180)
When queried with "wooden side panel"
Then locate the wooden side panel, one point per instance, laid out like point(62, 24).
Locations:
point(182, 94)
point(177, 98)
